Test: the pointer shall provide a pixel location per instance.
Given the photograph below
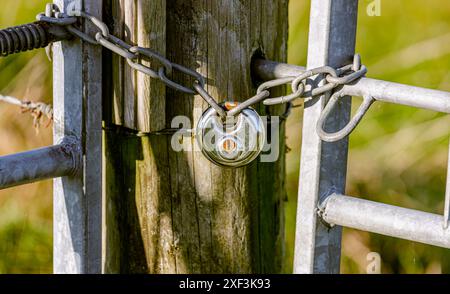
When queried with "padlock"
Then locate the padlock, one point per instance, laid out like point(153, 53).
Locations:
point(234, 141)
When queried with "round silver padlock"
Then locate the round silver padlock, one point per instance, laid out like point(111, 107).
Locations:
point(232, 142)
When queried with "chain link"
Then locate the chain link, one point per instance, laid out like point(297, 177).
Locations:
point(54, 16)
point(149, 54)
point(331, 78)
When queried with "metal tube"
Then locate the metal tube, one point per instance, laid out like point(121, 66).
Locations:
point(323, 165)
point(385, 219)
point(447, 193)
point(77, 201)
point(380, 90)
point(401, 94)
point(40, 164)
point(267, 70)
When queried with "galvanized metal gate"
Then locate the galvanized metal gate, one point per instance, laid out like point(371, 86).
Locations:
point(323, 165)
point(76, 161)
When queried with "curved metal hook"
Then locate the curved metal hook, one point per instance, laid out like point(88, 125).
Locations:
point(344, 132)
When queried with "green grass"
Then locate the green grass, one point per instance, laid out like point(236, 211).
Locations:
point(25, 212)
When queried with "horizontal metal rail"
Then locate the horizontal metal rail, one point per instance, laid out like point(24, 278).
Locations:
point(385, 219)
point(380, 90)
point(40, 164)
point(447, 193)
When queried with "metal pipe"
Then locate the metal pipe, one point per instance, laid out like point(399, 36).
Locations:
point(266, 70)
point(380, 90)
point(323, 165)
point(385, 219)
point(447, 193)
point(40, 164)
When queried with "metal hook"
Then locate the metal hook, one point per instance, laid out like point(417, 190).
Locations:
point(344, 132)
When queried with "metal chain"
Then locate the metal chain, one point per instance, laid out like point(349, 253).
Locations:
point(333, 78)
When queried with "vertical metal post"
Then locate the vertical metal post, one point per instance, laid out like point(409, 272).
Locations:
point(77, 112)
point(323, 165)
point(447, 193)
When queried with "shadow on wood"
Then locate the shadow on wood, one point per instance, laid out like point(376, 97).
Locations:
point(175, 212)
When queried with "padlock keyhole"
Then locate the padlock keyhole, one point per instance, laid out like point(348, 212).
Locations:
point(229, 145)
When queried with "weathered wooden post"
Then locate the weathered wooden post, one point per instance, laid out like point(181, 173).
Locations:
point(175, 212)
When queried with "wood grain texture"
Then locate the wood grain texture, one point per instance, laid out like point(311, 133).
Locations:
point(138, 101)
point(175, 212)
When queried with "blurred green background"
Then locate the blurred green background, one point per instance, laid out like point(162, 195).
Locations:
point(398, 155)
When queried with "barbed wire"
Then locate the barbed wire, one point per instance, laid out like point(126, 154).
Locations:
point(38, 110)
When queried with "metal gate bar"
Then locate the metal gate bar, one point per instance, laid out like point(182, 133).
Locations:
point(385, 219)
point(40, 164)
point(316, 249)
point(384, 91)
point(77, 200)
point(332, 34)
point(447, 193)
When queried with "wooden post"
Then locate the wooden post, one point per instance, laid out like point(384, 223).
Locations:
point(175, 212)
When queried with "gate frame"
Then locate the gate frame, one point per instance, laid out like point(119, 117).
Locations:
point(77, 200)
point(323, 165)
